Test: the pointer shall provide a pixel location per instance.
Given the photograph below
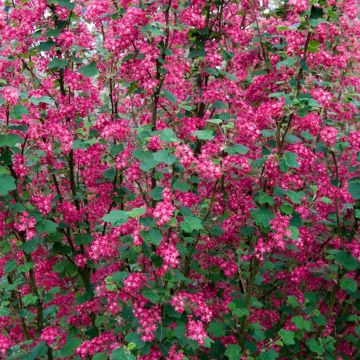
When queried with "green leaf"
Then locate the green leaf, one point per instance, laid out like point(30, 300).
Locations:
point(354, 188)
point(290, 61)
point(207, 343)
point(262, 216)
point(153, 30)
point(131, 88)
point(185, 107)
point(79, 144)
point(190, 224)
point(301, 323)
point(89, 70)
point(135, 338)
point(119, 276)
point(29, 299)
point(169, 95)
point(18, 111)
point(30, 246)
point(47, 226)
point(289, 160)
point(24, 268)
point(46, 46)
point(69, 349)
point(268, 355)
point(264, 198)
point(258, 335)
point(182, 186)
point(163, 156)
point(167, 135)
point(60, 266)
point(212, 71)
point(36, 352)
point(65, 3)
point(196, 53)
point(294, 196)
point(115, 149)
point(315, 346)
point(42, 99)
point(286, 208)
point(345, 259)
point(116, 217)
point(205, 134)
point(313, 46)
point(267, 133)
point(83, 239)
point(292, 139)
point(10, 266)
point(53, 32)
point(348, 284)
point(128, 57)
point(216, 231)
point(240, 312)
point(292, 301)
point(287, 336)
point(57, 63)
point(109, 174)
point(357, 213)
point(120, 354)
point(230, 76)
point(7, 184)
point(215, 121)
point(216, 328)
point(134, 213)
point(148, 164)
point(294, 232)
point(156, 193)
point(4, 311)
point(326, 200)
point(233, 351)
point(10, 140)
point(151, 295)
point(277, 95)
point(153, 236)
point(219, 105)
point(100, 356)
point(306, 135)
point(237, 149)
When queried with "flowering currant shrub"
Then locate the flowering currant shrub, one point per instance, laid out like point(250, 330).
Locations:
point(179, 179)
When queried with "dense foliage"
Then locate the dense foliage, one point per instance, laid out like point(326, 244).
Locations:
point(179, 179)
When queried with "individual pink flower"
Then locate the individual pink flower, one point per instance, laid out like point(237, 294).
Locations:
point(5, 345)
point(53, 336)
point(106, 342)
point(10, 94)
point(299, 5)
point(19, 166)
point(26, 223)
point(195, 331)
point(80, 260)
point(163, 212)
point(328, 135)
point(174, 354)
point(149, 318)
point(134, 282)
point(170, 255)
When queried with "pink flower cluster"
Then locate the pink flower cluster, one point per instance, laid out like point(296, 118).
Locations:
point(105, 342)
